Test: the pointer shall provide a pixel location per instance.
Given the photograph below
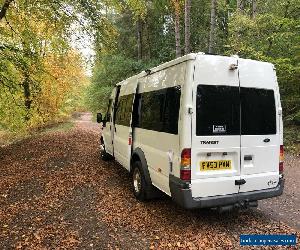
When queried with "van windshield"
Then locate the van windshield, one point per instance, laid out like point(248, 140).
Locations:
point(227, 110)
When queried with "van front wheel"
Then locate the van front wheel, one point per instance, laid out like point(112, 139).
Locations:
point(138, 182)
point(103, 154)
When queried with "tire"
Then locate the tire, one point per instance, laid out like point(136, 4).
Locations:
point(139, 184)
point(103, 154)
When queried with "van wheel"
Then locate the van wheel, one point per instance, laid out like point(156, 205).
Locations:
point(138, 182)
point(103, 154)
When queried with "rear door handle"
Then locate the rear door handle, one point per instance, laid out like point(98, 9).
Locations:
point(267, 140)
point(240, 182)
point(248, 157)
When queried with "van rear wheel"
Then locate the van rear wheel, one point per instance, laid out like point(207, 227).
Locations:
point(138, 182)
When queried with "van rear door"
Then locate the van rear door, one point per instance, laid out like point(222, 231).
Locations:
point(215, 152)
point(260, 139)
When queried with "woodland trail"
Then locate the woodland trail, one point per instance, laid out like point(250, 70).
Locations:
point(55, 192)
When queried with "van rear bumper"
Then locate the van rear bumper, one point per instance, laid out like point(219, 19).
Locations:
point(182, 195)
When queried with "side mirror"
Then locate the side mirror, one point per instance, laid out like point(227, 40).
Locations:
point(99, 117)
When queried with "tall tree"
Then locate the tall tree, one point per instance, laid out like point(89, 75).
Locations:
point(139, 31)
point(176, 6)
point(211, 43)
point(253, 8)
point(187, 25)
point(4, 8)
point(240, 5)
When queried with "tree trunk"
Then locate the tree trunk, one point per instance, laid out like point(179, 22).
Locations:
point(187, 23)
point(139, 39)
point(227, 19)
point(4, 8)
point(240, 5)
point(254, 7)
point(212, 26)
point(27, 95)
point(177, 28)
point(147, 41)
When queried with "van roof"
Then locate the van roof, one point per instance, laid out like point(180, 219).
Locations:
point(191, 56)
point(188, 57)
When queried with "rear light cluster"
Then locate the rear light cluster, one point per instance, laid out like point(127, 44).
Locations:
point(185, 166)
point(281, 156)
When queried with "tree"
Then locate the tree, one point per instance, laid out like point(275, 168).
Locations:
point(176, 6)
point(240, 5)
point(187, 26)
point(212, 26)
point(253, 8)
point(34, 34)
point(4, 8)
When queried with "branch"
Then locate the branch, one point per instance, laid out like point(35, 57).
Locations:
point(5, 8)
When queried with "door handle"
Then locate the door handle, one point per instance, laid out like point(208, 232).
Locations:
point(248, 157)
point(240, 182)
point(267, 140)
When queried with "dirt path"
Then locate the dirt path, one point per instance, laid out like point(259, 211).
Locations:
point(55, 192)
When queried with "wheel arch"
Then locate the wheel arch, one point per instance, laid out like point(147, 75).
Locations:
point(138, 155)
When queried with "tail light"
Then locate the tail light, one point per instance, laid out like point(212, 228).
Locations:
point(281, 157)
point(185, 166)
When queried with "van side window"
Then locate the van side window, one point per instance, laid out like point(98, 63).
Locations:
point(217, 110)
point(136, 110)
point(124, 110)
point(171, 114)
point(152, 109)
point(160, 110)
point(109, 110)
point(258, 111)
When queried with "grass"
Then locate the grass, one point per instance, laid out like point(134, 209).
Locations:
point(7, 137)
point(58, 127)
point(292, 139)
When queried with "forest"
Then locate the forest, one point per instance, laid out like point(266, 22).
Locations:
point(44, 77)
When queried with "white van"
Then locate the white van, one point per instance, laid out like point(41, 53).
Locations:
point(204, 129)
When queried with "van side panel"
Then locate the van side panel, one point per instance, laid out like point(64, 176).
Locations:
point(185, 118)
point(122, 130)
point(161, 149)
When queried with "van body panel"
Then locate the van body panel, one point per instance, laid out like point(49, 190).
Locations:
point(259, 149)
point(161, 149)
point(185, 118)
point(170, 77)
point(107, 132)
point(208, 187)
point(156, 147)
point(122, 133)
point(214, 71)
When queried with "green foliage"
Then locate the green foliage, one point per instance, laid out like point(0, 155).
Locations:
point(35, 49)
point(275, 39)
point(41, 76)
point(108, 71)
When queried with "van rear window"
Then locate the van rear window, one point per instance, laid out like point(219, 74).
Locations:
point(219, 107)
point(217, 111)
point(258, 111)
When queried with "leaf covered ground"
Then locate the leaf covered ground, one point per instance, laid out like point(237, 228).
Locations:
point(55, 193)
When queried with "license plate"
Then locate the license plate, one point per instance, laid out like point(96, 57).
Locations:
point(215, 165)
